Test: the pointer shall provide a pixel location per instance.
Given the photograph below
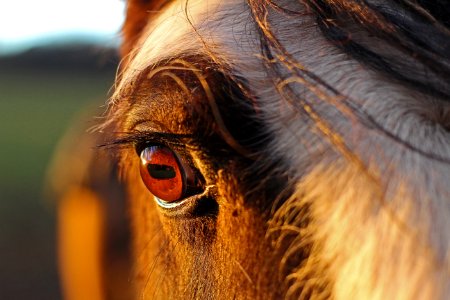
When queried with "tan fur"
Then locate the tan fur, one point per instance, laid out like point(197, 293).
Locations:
point(368, 217)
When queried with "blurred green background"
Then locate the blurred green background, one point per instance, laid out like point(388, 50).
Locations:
point(41, 92)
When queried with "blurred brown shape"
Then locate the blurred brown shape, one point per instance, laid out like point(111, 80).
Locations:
point(93, 238)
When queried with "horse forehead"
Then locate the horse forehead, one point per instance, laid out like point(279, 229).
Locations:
point(187, 26)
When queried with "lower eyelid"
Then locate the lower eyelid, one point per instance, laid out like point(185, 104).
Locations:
point(193, 206)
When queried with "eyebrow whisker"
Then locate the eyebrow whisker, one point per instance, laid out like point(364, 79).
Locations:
point(170, 67)
point(226, 135)
point(178, 80)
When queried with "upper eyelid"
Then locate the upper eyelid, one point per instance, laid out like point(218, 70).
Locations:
point(177, 141)
point(155, 131)
point(148, 126)
point(138, 139)
point(141, 137)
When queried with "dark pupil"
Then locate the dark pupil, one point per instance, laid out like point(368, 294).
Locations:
point(161, 171)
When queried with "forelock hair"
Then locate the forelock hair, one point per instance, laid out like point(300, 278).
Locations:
point(413, 37)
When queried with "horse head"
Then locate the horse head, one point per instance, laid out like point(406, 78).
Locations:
point(284, 149)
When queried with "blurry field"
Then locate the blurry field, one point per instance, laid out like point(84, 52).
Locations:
point(36, 107)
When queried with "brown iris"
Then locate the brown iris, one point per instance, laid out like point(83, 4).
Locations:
point(162, 173)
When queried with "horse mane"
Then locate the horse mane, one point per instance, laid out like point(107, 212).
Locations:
point(138, 13)
point(415, 37)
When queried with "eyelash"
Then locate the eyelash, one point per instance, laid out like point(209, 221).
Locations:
point(139, 139)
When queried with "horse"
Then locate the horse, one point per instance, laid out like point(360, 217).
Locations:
point(267, 149)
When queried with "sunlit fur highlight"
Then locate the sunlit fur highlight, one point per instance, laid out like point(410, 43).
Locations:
point(370, 202)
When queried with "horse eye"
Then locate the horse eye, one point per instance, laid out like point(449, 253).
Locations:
point(165, 175)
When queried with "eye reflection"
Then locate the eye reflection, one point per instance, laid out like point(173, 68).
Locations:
point(162, 173)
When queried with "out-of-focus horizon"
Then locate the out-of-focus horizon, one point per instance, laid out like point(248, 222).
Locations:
point(38, 23)
point(58, 60)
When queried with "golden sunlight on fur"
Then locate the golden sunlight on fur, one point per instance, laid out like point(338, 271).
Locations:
point(267, 150)
point(80, 241)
